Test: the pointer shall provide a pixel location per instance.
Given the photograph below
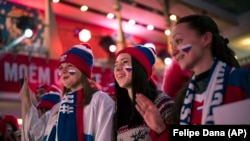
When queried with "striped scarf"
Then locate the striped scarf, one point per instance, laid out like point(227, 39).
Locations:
point(70, 119)
point(213, 94)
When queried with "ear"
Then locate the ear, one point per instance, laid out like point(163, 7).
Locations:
point(207, 39)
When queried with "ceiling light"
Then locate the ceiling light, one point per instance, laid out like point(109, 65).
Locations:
point(150, 27)
point(131, 22)
point(84, 35)
point(108, 44)
point(173, 17)
point(110, 15)
point(112, 48)
point(167, 32)
point(84, 8)
point(28, 33)
point(56, 1)
point(167, 61)
point(245, 42)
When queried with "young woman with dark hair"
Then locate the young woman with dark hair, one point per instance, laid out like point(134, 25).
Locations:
point(217, 77)
point(132, 71)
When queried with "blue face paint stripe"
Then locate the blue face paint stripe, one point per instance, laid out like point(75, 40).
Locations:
point(186, 48)
point(71, 72)
point(128, 68)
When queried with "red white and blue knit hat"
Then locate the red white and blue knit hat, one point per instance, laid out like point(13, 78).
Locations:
point(146, 56)
point(50, 98)
point(80, 56)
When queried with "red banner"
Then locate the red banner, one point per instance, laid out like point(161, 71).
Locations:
point(39, 71)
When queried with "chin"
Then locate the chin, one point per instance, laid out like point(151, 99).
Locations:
point(184, 66)
point(66, 85)
point(121, 85)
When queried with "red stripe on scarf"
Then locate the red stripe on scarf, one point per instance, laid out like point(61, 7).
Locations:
point(79, 115)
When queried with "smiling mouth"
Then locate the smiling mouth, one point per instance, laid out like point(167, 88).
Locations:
point(120, 76)
point(65, 77)
point(180, 58)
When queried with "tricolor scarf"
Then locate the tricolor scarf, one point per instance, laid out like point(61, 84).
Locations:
point(70, 120)
point(213, 94)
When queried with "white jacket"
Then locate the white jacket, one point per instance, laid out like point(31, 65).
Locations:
point(98, 120)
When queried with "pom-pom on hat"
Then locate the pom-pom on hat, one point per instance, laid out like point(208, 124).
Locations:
point(50, 98)
point(144, 55)
point(80, 56)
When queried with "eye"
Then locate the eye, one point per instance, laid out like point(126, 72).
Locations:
point(60, 67)
point(125, 61)
point(69, 65)
point(178, 41)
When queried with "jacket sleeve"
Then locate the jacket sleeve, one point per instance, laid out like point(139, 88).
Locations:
point(105, 113)
point(237, 87)
point(164, 104)
point(34, 127)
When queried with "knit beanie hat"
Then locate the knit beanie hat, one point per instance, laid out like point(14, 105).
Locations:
point(12, 120)
point(144, 55)
point(42, 86)
point(80, 56)
point(50, 98)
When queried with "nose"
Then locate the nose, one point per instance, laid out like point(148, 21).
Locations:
point(62, 70)
point(118, 67)
point(174, 50)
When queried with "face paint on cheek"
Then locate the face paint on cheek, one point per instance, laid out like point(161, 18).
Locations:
point(59, 73)
point(128, 68)
point(72, 72)
point(186, 48)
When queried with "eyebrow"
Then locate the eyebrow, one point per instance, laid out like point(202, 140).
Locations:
point(175, 35)
point(125, 58)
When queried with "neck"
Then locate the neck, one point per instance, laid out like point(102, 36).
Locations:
point(130, 94)
point(73, 89)
point(203, 65)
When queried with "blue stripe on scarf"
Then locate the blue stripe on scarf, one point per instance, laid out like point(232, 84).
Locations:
point(52, 135)
point(217, 93)
point(88, 138)
point(66, 127)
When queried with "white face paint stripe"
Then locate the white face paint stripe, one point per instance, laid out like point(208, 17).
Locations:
point(69, 71)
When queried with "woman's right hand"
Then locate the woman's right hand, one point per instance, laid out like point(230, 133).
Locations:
point(24, 92)
point(150, 113)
